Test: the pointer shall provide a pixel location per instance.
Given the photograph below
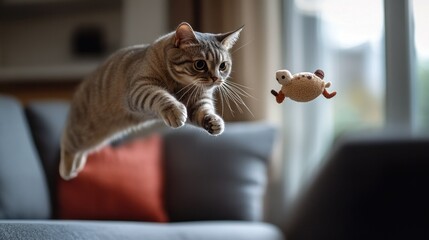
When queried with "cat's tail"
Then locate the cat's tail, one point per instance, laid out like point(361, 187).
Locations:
point(71, 163)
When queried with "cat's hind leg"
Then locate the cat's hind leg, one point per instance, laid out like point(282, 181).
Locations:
point(71, 163)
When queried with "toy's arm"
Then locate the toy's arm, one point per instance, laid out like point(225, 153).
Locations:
point(280, 97)
point(274, 93)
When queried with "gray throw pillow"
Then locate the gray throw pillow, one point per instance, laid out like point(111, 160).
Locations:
point(23, 189)
point(217, 178)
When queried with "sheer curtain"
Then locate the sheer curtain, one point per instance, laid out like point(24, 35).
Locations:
point(376, 56)
point(345, 39)
point(420, 9)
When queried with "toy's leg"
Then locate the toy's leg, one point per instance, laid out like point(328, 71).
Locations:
point(329, 95)
point(280, 97)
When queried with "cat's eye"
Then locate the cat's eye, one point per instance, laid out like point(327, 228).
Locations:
point(199, 65)
point(222, 66)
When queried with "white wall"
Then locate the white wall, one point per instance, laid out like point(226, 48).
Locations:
point(143, 21)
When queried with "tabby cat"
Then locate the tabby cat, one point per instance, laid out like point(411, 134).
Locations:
point(172, 79)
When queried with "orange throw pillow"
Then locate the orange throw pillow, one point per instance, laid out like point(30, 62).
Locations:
point(117, 183)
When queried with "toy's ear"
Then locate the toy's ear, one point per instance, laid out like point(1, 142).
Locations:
point(184, 35)
point(319, 73)
point(230, 38)
point(283, 76)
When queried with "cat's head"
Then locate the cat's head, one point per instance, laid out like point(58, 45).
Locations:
point(200, 58)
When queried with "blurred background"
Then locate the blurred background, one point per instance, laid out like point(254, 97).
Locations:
point(375, 53)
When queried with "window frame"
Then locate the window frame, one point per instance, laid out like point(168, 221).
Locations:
point(400, 66)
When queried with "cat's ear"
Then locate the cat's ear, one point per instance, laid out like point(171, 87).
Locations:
point(184, 35)
point(230, 38)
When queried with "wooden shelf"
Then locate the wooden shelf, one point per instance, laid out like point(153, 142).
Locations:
point(63, 72)
point(19, 9)
point(37, 43)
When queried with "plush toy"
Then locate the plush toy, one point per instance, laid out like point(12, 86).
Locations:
point(301, 87)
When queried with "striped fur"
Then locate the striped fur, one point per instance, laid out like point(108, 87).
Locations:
point(164, 80)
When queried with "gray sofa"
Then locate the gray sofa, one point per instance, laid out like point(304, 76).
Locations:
point(235, 162)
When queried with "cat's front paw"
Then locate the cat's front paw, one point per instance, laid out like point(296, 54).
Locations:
point(175, 115)
point(213, 124)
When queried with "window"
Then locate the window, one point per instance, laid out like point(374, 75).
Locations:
point(421, 37)
point(352, 46)
point(382, 78)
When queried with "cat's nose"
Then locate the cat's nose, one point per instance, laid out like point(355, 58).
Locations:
point(214, 79)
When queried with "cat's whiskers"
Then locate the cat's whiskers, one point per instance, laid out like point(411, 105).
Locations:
point(224, 95)
point(238, 88)
point(186, 90)
point(242, 46)
point(195, 89)
point(201, 89)
point(231, 91)
point(221, 101)
point(234, 92)
point(234, 97)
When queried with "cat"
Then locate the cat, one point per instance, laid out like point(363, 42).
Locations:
point(172, 79)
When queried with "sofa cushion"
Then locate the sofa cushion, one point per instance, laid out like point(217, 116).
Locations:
point(217, 178)
point(72, 230)
point(23, 189)
point(118, 183)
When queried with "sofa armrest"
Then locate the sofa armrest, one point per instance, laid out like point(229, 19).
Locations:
point(372, 187)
